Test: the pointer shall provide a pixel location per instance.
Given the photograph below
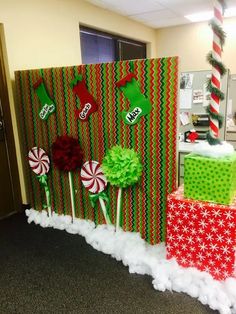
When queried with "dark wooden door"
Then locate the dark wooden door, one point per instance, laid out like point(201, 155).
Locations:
point(10, 198)
point(6, 188)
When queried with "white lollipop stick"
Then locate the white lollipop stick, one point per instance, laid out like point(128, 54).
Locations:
point(104, 210)
point(118, 209)
point(72, 195)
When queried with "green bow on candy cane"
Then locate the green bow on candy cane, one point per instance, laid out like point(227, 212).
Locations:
point(43, 180)
point(102, 196)
point(94, 197)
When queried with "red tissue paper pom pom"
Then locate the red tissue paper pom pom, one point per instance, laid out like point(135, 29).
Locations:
point(66, 153)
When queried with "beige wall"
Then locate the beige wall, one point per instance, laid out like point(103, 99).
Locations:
point(193, 41)
point(45, 33)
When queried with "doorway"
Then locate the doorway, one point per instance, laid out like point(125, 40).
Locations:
point(10, 196)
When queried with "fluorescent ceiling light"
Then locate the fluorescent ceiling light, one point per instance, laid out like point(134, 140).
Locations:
point(207, 15)
point(199, 17)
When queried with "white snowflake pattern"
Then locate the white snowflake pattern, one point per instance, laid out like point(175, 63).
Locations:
point(203, 223)
point(211, 221)
point(216, 213)
point(228, 215)
point(193, 231)
point(172, 206)
point(229, 241)
point(218, 257)
point(203, 247)
point(177, 213)
point(178, 252)
point(208, 254)
point(214, 229)
point(170, 237)
point(190, 240)
point(180, 237)
point(185, 229)
point(220, 238)
point(225, 274)
point(201, 206)
point(227, 258)
point(200, 256)
point(170, 216)
point(207, 269)
point(211, 262)
point(194, 216)
point(216, 271)
point(184, 247)
point(176, 228)
point(185, 215)
point(183, 260)
point(227, 232)
point(209, 236)
point(223, 265)
point(205, 213)
point(214, 247)
point(169, 247)
point(192, 208)
point(221, 222)
point(201, 231)
point(189, 255)
point(199, 263)
point(225, 250)
point(191, 223)
point(198, 239)
point(191, 263)
point(182, 206)
point(231, 224)
point(192, 249)
point(179, 221)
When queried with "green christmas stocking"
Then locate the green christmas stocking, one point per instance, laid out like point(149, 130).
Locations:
point(140, 105)
point(48, 105)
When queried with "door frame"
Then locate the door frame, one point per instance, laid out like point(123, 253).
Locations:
point(5, 92)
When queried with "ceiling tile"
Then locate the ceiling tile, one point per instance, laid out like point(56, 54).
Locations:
point(167, 22)
point(154, 16)
point(158, 13)
point(132, 7)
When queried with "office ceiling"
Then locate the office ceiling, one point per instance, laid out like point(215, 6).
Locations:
point(158, 13)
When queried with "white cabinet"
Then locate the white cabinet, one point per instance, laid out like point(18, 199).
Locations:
point(181, 168)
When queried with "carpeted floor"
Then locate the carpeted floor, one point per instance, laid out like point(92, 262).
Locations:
point(51, 271)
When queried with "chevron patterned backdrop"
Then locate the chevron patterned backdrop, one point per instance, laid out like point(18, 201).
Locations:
point(154, 137)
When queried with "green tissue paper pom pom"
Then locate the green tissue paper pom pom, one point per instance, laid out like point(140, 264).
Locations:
point(122, 166)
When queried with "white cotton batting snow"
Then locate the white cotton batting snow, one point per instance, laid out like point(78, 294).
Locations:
point(215, 151)
point(143, 258)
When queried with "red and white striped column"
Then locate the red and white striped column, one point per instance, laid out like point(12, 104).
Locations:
point(216, 75)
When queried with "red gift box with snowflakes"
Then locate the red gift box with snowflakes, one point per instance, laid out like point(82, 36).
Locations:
point(202, 235)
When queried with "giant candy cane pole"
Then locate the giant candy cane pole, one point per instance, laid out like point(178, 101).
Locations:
point(216, 74)
point(218, 70)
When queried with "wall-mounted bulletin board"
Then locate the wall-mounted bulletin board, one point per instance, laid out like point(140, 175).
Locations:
point(153, 137)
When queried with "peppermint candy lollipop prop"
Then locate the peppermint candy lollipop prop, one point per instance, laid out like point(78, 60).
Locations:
point(94, 180)
point(40, 164)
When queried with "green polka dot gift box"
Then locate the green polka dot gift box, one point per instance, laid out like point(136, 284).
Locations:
point(210, 179)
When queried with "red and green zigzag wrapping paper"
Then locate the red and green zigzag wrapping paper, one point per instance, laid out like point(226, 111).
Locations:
point(154, 137)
